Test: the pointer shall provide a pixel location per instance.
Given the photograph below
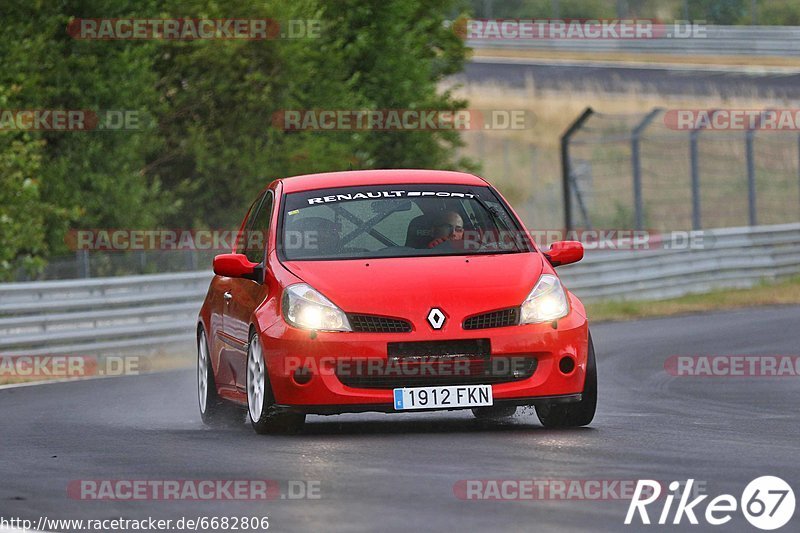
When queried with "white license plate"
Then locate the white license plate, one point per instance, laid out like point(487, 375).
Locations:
point(442, 397)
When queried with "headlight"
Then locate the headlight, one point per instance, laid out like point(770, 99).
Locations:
point(304, 307)
point(546, 302)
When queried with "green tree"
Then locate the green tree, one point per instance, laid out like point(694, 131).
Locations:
point(211, 144)
point(94, 177)
point(22, 211)
point(778, 12)
point(724, 12)
point(396, 53)
point(220, 143)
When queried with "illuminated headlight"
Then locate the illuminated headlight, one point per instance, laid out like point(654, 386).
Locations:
point(304, 307)
point(546, 302)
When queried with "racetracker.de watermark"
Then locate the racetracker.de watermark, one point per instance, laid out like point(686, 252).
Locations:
point(409, 366)
point(191, 29)
point(401, 119)
point(69, 366)
point(550, 489)
point(725, 366)
point(121, 240)
point(577, 29)
point(787, 119)
point(615, 239)
point(193, 489)
point(149, 523)
point(72, 120)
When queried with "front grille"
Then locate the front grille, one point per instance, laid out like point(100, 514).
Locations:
point(479, 347)
point(378, 324)
point(436, 363)
point(493, 319)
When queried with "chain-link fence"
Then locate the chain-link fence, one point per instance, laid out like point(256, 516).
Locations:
point(621, 171)
point(94, 264)
point(642, 171)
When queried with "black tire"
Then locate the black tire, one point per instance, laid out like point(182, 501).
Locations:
point(264, 418)
point(574, 414)
point(214, 411)
point(494, 412)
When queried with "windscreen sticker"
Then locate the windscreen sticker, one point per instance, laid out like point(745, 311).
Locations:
point(387, 194)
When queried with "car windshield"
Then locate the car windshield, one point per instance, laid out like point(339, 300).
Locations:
point(397, 221)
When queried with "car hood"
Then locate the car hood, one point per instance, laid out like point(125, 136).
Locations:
point(409, 287)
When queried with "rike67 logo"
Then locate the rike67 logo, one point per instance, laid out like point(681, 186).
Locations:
point(767, 503)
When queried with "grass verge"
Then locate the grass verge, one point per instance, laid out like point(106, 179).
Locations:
point(781, 293)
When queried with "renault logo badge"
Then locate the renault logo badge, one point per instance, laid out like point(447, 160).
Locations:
point(436, 318)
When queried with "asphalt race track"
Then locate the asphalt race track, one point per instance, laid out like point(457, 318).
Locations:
point(397, 472)
point(621, 78)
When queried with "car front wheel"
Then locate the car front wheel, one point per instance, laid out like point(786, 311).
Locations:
point(260, 400)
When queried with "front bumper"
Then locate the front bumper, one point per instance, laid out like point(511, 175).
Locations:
point(287, 349)
point(383, 408)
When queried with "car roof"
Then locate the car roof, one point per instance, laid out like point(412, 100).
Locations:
point(310, 182)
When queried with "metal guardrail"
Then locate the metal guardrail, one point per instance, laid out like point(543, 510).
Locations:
point(141, 312)
point(103, 314)
point(729, 257)
point(719, 40)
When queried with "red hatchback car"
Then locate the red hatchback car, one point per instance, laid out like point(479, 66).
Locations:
point(392, 291)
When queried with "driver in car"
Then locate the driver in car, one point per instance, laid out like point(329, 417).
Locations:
point(447, 226)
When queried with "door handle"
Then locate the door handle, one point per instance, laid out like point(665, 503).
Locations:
point(227, 295)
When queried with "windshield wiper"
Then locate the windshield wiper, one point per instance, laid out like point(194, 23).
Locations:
point(498, 220)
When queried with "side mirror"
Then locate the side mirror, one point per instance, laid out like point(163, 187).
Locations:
point(564, 253)
point(237, 266)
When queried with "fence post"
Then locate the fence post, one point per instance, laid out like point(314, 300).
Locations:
point(506, 159)
point(636, 165)
point(696, 223)
point(751, 177)
point(749, 142)
point(83, 264)
point(566, 176)
point(696, 219)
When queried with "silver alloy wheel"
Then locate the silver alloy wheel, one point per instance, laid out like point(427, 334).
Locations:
point(255, 379)
point(202, 371)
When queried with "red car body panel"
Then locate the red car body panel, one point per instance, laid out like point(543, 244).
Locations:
point(406, 288)
point(461, 286)
point(311, 182)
